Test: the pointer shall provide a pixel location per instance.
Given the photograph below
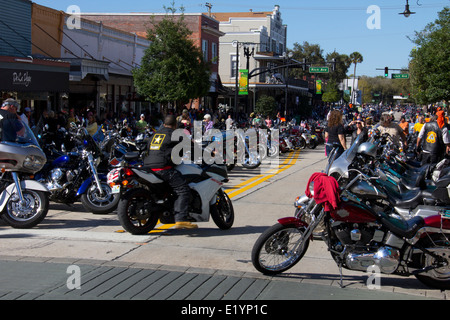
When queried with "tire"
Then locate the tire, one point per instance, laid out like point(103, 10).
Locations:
point(313, 144)
point(436, 278)
point(93, 202)
point(30, 216)
point(248, 164)
point(222, 212)
point(134, 212)
point(302, 143)
point(270, 253)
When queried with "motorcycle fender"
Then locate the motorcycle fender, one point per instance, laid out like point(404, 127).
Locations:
point(292, 221)
point(25, 184)
point(85, 185)
point(207, 190)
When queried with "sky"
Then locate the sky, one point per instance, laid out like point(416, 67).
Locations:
point(372, 27)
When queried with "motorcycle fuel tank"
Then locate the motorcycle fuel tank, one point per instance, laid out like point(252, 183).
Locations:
point(350, 212)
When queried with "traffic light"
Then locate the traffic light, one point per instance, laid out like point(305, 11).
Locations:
point(386, 72)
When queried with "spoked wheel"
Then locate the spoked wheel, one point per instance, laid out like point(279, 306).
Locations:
point(28, 214)
point(135, 214)
point(438, 275)
point(278, 249)
point(222, 211)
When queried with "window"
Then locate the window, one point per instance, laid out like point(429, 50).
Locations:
point(214, 56)
point(205, 49)
point(233, 64)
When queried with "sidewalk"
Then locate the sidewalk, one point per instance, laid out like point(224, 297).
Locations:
point(50, 279)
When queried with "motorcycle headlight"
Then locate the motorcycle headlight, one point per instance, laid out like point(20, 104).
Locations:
point(33, 162)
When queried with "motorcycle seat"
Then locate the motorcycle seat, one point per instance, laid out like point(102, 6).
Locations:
point(129, 156)
point(414, 181)
point(411, 199)
point(404, 228)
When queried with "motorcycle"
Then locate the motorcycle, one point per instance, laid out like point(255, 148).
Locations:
point(145, 198)
point(359, 237)
point(73, 176)
point(24, 203)
point(311, 140)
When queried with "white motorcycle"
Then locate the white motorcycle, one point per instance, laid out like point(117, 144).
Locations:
point(145, 198)
point(24, 203)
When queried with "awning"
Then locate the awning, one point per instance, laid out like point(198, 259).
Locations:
point(81, 68)
point(33, 75)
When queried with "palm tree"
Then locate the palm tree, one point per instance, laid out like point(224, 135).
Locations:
point(355, 58)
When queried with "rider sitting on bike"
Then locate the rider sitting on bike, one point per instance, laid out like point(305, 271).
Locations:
point(159, 159)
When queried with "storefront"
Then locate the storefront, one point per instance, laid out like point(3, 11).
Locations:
point(38, 84)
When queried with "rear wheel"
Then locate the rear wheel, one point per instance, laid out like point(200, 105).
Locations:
point(279, 248)
point(134, 212)
point(439, 274)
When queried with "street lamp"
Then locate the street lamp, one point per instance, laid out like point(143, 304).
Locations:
point(287, 57)
point(407, 12)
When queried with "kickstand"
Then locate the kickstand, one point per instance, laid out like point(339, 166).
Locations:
point(341, 282)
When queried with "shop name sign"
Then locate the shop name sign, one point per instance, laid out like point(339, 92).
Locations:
point(21, 78)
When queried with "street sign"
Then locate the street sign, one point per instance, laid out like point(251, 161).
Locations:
point(319, 70)
point(400, 76)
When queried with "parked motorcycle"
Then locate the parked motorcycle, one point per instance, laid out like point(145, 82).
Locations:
point(145, 198)
point(73, 176)
point(359, 236)
point(24, 203)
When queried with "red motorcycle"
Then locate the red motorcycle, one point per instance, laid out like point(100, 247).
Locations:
point(359, 237)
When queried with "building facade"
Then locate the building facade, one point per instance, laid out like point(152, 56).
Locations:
point(38, 82)
point(257, 41)
point(205, 35)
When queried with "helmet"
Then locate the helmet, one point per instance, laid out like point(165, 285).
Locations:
point(368, 149)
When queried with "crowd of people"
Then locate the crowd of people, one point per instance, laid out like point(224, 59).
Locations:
point(426, 129)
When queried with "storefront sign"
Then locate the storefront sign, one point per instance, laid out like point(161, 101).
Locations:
point(33, 80)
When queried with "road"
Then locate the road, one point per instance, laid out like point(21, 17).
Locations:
point(259, 197)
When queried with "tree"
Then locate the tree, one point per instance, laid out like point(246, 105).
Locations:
point(429, 66)
point(172, 69)
point(355, 58)
point(266, 105)
point(331, 93)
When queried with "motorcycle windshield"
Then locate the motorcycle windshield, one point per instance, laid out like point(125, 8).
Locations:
point(16, 131)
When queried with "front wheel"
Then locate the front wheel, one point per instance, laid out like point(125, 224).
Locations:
point(279, 248)
point(98, 203)
point(28, 214)
point(135, 212)
point(222, 211)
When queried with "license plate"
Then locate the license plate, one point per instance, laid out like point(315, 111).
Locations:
point(313, 136)
point(115, 189)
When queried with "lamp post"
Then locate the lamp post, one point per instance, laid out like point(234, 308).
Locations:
point(287, 57)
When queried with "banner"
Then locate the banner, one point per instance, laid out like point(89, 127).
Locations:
point(318, 86)
point(243, 82)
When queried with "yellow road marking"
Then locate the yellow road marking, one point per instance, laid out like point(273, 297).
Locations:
point(289, 162)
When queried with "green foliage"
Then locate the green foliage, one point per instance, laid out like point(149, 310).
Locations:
point(172, 69)
point(331, 93)
point(266, 106)
point(430, 64)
